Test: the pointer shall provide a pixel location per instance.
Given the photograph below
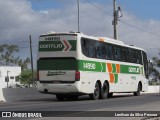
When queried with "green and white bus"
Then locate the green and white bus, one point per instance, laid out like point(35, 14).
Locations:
point(74, 64)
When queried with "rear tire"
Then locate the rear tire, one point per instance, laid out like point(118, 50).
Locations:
point(95, 95)
point(72, 97)
point(110, 95)
point(60, 97)
point(104, 91)
point(138, 92)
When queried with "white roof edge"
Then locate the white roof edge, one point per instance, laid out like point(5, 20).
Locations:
point(114, 41)
point(70, 32)
point(106, 39)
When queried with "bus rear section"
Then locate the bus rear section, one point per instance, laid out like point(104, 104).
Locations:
point(57, 65)
point(57, 70)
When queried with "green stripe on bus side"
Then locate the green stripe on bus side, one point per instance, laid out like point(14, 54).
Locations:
point(113, 68)
point(84, 65)
point(129, 69)
point(115, 78)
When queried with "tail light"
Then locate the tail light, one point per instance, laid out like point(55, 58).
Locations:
point(77, 75)
point(37, 75)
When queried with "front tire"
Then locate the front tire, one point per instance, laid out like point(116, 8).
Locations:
point(60, 97)
point(72, 97)
point(138, 92)
point(95, 95)
point(110, 95)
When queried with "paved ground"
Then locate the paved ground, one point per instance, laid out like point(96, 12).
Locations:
point(119, 103)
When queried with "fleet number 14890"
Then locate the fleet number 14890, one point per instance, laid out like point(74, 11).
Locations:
point(89, 65)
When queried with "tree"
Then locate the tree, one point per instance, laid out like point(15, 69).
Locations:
point(156, 62)
point(24, 63)
point(26, 78)
point(153, 70)
point(7, 56)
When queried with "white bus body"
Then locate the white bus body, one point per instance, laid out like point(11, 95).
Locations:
point(73, 64)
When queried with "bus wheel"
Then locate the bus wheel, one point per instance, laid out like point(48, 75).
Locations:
point(104, 91)
point(110, 95)
point(95, 95)
point(137, 93)
point(72, 97)
point(60, 97)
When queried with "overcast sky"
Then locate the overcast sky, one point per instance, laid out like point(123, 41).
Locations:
point(140, 25)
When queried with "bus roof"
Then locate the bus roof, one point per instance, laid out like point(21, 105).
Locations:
point(102, 39)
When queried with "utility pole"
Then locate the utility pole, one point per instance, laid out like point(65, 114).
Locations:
point(116, 14)
point(7, 79)
point(115, 19)
point(30, 41)
point(78, 14)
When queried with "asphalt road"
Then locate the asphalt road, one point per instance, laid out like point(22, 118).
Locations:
point(145, 102)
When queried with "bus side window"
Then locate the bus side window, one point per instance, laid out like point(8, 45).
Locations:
point(134, 56)
point(109, 52)
point(124, 54)
point(88, 47)
point(117, 53)
point(91, 49)
point(131, 55)
point(99, 52)
point(104, 54)
point(84, 47)
point(127, 55)
point(139, 58)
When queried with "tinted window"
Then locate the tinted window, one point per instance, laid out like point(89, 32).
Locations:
point(139, 57)
point(88, 47)
point(101, 50)
point(109, 52)
point(117, 53)
point(124, 54)
point(132, 56)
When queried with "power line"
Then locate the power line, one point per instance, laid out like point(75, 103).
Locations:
point(29, 47)
point(99, 8)
point(138, 28)
point(135, 27)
